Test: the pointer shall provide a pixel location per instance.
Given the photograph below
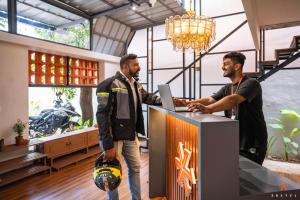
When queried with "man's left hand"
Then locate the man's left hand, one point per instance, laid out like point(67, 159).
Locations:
point(198, 107)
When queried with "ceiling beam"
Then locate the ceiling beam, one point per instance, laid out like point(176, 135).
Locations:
point(120, 21)
point(124, 6)
point(112, 10)
point(72, 23)
point(148, 25)
point(67, 7)
point(168, 7)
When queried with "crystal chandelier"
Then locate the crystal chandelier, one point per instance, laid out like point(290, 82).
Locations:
point(190, 32)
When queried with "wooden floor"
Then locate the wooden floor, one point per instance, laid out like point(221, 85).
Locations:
point(72, 182)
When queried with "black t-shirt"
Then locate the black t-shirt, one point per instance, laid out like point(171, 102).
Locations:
point(252, 125)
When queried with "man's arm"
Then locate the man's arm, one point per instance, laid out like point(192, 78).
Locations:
point(225, 103)
point(105, 103)
point(204, 101)
point(149, 98)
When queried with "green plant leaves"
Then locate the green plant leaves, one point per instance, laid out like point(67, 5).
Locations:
point(286, 140)
point(276, 126)
point(69, 93)
point(292, 151)
point(294, 144)
point(270, 144)
point(290, 114)
point(294, 132)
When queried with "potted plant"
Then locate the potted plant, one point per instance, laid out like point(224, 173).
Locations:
point(286, 126)
point(19, 128)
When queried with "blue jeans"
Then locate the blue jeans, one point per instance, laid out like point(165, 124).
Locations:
point(131, 153)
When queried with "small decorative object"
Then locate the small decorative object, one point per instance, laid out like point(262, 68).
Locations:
point(19, 128)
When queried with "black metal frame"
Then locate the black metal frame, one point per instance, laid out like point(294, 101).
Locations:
point(204, 54)
point(184, 67)
point(64, 6)
point(147, 85)
point(12, 15)
point(191, 66)
point(91, 34)
point(12, 18)
point(279, 67)
point(262, 53)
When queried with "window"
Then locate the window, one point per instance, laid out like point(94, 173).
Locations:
point(3, 15)
point(38, 19)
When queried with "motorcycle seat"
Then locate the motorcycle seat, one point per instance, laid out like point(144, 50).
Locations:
point(34, 117)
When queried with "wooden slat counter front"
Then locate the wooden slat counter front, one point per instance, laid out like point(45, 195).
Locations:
point(213, 141)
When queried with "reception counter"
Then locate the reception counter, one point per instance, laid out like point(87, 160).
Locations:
point(196, 156)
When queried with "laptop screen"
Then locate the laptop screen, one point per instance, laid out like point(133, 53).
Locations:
point(166, 97)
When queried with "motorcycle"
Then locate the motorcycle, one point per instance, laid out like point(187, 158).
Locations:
point(50, 120)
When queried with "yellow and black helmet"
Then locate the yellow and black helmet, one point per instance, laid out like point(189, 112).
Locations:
point(107, 174)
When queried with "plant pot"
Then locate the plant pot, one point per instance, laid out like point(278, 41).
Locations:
point(25, 142)
point(19, 140)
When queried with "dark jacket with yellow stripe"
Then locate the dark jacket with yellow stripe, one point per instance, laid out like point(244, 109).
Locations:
point(116, 110)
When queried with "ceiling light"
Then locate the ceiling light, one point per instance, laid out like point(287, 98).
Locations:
point(190, 31)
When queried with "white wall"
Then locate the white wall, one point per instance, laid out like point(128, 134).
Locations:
point(110, 69)
point(13, 90)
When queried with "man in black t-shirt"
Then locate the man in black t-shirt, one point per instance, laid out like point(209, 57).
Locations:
point(241, 100)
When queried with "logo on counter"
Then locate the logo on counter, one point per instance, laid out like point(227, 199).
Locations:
point(186, 174)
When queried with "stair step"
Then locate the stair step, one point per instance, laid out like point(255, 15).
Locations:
point(282, 54)
point(13, 151)
point(252, 74)
point(16, 163)
point(295, 42)
point(22, 173)
point(268, 64)
point(73, 158)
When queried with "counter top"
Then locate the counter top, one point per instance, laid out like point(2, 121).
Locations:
point(194, 117)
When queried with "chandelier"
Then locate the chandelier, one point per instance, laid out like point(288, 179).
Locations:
point(190, 32)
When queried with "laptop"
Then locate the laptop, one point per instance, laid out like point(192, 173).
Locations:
point(167, 100)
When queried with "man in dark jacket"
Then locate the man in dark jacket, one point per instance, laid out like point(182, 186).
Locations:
point(120, 118)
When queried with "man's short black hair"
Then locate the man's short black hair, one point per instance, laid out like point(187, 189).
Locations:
point(236, 57)
point(126, 57)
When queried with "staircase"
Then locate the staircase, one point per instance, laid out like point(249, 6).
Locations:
point(283, 57)
point(17, 162)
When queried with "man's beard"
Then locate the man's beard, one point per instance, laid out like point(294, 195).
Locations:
point(134, 74)
point(228, 73)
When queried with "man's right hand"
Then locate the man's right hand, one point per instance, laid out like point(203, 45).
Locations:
point(110, 154)
point(179, 102)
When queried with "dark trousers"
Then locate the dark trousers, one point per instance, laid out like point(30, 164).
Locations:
point(257, 157)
